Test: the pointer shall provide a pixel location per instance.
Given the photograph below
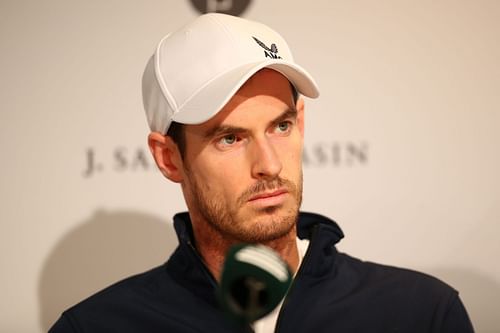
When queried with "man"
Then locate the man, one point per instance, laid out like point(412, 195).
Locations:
point(223, 100)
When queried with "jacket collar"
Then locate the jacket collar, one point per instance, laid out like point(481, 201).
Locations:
point(322, 233)
point(187, 268)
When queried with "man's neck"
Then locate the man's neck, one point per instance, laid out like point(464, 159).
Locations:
point(213, 247)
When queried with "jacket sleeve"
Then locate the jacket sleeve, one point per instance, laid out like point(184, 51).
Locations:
point(63, 325)
point(456, 319)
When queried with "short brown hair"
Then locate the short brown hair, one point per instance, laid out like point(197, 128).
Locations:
point(176, 132)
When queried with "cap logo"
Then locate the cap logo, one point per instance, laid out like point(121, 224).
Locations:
point(269, 52)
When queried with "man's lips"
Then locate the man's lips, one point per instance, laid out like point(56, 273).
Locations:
point(268, 195)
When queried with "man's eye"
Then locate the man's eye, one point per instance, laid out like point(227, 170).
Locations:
point(228, 139)
point(283, 126)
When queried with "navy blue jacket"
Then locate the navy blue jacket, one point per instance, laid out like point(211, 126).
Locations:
point(332, 292)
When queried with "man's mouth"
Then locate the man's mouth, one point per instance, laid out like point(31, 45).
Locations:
point(273, 198)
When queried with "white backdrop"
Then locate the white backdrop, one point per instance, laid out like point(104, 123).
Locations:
point(401, 148)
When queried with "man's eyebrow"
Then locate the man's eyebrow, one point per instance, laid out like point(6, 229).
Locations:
point(290, 113)
point(223, 129)
point(228, 129)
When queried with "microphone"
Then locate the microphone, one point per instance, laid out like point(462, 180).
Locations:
point(254, 280)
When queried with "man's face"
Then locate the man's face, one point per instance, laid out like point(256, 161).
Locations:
point(243, 168)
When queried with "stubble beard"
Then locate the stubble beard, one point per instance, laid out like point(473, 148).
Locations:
point(261, 226)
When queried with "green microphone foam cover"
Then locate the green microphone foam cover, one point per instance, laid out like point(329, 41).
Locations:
point(254, 280)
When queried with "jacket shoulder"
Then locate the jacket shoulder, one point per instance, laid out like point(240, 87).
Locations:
point(360, 296)
point(408, 295)
point(396, 282)
point(113, 303)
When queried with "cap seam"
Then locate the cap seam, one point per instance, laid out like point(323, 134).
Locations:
point(226, 30)
point(161, 81)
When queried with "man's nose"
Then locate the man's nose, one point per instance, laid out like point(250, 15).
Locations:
point(265, 161)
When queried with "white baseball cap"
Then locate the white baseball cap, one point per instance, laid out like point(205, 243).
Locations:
point(196, 70)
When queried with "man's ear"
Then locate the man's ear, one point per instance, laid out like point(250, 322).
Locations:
point(166, 155)
point(300, 115)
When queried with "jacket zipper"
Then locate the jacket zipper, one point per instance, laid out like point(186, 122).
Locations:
point(287, 297)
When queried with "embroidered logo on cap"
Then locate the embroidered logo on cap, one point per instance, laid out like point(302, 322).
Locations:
point(271, 52)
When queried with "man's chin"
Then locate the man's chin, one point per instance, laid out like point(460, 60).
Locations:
point(268, 226)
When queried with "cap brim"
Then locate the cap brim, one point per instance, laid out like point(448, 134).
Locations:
point(212, 97)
